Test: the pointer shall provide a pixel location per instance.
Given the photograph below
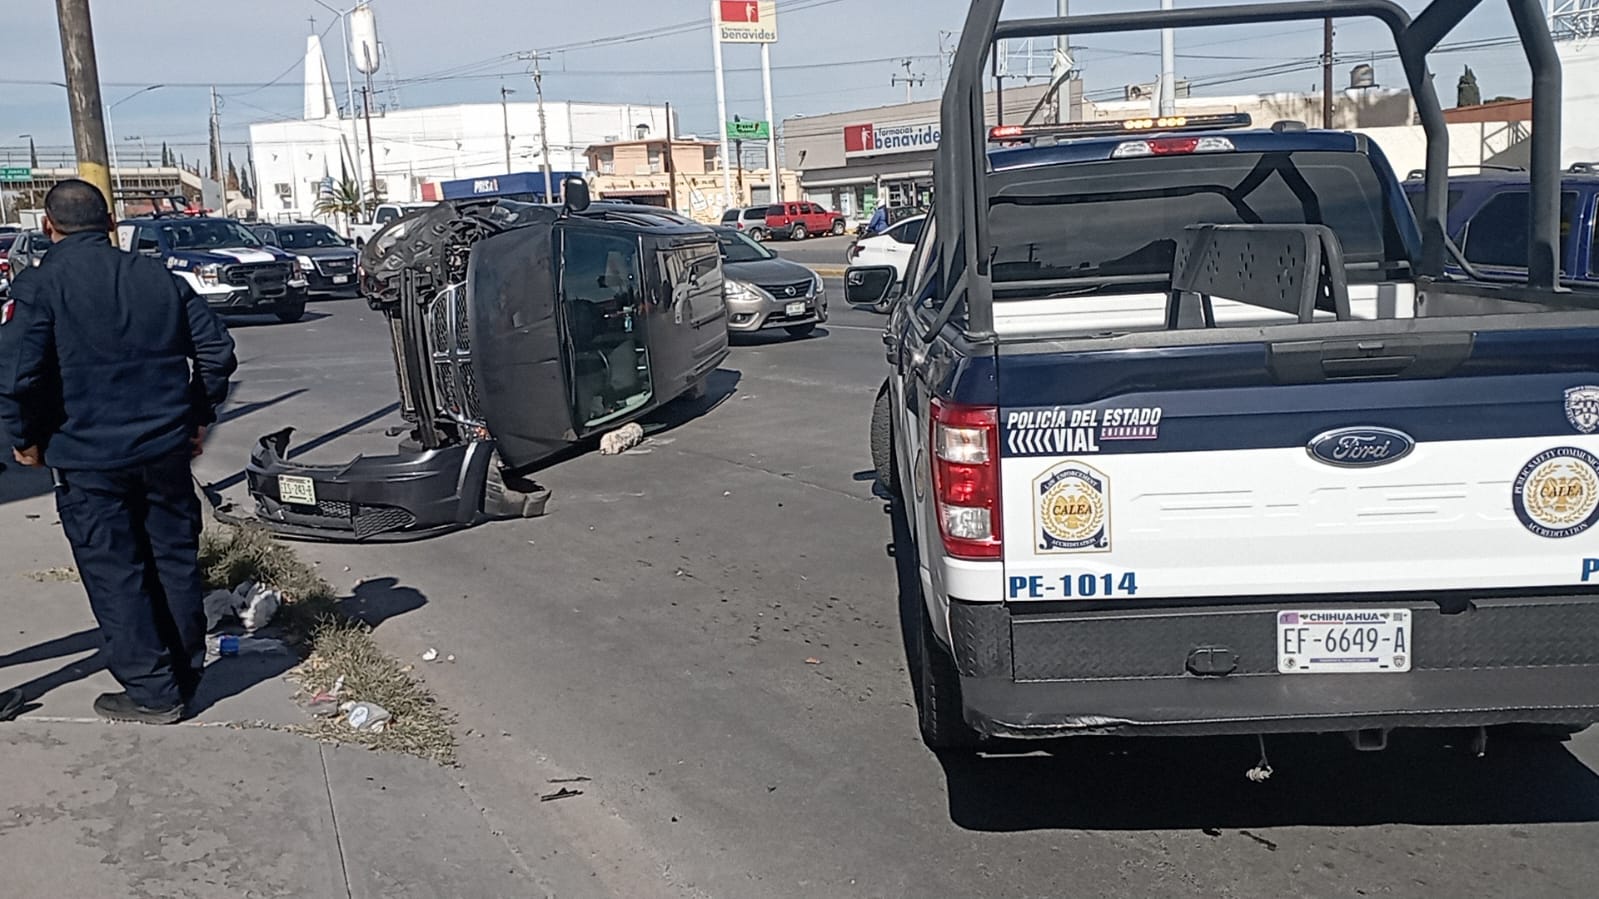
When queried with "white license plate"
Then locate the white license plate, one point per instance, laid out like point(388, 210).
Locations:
point(794, 309)
point(1343, 641)
point(296, 490)
point(341, 279)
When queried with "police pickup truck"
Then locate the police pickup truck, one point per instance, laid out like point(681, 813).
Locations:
point(223, 261)
point(1193, 433)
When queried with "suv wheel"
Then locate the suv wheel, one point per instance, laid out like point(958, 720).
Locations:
point(290, 314)
point(838, 228)
point(758, 235)
point(938, 693)
point(799, 233)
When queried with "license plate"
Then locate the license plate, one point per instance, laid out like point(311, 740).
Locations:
point(296, 490)
point(1343, 641)
point(794, 309)
point(341, 279)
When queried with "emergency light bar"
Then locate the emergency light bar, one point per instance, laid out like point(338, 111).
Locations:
point(1023, 133)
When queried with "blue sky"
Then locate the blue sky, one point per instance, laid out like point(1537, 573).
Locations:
point(833, 55)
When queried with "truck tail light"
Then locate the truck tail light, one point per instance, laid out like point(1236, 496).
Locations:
point(1171, 146)
point(965, 448)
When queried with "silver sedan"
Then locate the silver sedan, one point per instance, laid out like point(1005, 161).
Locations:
point(764, 291)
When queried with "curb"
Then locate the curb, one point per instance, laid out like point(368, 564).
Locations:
point(829, 271)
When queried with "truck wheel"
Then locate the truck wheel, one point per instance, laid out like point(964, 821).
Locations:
point(938, 694)
point(799, 233)
point(838, 228)
point(883, 442)
point(290, 314)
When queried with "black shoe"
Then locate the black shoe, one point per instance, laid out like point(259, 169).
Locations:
point(11, 702)
point(118, 707)
point(188, 686)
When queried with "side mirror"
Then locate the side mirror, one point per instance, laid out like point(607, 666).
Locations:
point(870, 285)
point(575, 194)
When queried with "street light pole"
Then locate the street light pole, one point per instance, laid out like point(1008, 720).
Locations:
point(505, 118)
point(111, 135)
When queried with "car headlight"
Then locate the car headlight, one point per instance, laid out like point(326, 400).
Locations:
point(209, 274)
point(738, 290)
point(306, 265)
point(817, 287)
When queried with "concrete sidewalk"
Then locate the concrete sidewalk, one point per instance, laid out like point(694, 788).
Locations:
point(220, 806)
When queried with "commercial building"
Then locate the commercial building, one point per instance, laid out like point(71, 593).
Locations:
point(642, 171)
point(412, 147)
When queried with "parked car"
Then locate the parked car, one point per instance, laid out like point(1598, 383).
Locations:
point(892, 247)
point(797, 221)
point(1488, 216)
point(27, 250)
point(326, 260)
point(10, 229)
point(384, 215)
point(764, 291)
point(223, 261)
point(6, 240)
point(749, 219)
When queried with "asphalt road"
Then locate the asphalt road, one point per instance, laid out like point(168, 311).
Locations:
point(709, 628)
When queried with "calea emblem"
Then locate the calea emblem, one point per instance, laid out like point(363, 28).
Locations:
point(1556, 495)
point(1582, 408)
point(1072, 510)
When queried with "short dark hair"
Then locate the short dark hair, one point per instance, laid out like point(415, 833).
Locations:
point(75, 205)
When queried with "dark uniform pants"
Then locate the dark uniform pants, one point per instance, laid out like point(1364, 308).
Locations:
point(135, 535)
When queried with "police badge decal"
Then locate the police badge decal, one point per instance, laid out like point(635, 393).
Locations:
point(1582, 408)
point(1556, 495)
point(1072, 511)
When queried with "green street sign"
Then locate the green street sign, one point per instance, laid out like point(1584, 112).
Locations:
point(748, 130)
point(13, 175)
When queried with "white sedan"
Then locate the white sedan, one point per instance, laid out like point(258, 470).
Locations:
point(892, 247)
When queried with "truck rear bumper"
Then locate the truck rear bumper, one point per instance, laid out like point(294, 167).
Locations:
point(1498, 660)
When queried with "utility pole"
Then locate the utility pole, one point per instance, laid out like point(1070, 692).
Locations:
point(83, 93)
point(738, 154)
point(371, 148)
point(1168, 67)
point(505, 116)
point(671, 164)
point(909, 79)
point(216, 144)
point(1327, 74)
point(1060, 67)
point(544, 135)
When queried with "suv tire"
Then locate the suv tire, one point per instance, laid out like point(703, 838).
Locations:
point(838, 228)
point(883, 442)
point(291, 314)
point(799, 233)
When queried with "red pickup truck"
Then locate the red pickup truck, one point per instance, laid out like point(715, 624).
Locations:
point(797, 221)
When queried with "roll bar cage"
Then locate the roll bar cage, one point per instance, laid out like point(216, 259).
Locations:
point(960, 176)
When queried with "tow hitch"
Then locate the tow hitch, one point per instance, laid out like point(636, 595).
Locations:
point(405, 496)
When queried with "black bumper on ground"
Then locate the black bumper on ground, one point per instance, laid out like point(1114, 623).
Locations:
point(405, 496)
point(1213, 670)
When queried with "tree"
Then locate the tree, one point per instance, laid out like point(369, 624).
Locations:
point(344, 199)
point(1466, 90)
point(233, 174)
point(245, 187)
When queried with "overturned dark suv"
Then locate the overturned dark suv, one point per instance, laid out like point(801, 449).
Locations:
point(519, 330)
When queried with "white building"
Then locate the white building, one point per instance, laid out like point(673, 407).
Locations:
point(434, 144)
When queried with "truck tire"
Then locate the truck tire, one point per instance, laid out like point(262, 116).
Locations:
point(799, 233)
point(938, 694)
point(883, 442)
point(838, 228)
point(292, 313)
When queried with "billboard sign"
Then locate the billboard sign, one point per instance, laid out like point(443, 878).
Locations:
point(748, 130)
point(746, 21)
point(873, 140)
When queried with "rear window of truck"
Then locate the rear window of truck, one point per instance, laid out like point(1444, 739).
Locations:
point(1126, 217)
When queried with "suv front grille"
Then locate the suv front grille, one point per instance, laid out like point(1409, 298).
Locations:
point(335, 266)
point(451, 353)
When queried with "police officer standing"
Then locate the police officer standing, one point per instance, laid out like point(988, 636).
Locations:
point(110, 372)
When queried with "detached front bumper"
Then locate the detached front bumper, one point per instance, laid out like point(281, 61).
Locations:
point(404, 496)
point(1213, 670)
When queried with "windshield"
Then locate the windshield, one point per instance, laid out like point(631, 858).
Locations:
point(309, 238)
point(736, 247)
point(6, 240)
point(208, 234)
point(1126, 217)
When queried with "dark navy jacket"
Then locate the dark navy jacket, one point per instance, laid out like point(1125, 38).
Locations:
point(106, 360)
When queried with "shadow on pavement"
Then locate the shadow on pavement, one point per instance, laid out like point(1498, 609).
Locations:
point(235, 322)
point(773, 337)
point(378, 600)
point(18, 483)
point(233, 413)
point(214, 489)
point(1167, 783)
point(70, 645)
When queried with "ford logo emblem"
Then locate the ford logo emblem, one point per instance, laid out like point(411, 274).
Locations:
point(1360, 447)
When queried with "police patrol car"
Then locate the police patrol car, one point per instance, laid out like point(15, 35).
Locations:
point(223, 261)
point(1194, 433)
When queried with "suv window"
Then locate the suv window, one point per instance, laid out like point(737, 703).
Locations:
point(385, 215)
point(147, 240)
point(730, 216)
point(754, 213)
point(776, 210)
point(1497, 235)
